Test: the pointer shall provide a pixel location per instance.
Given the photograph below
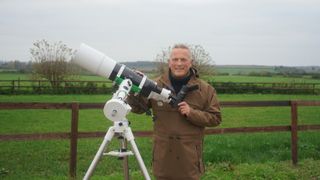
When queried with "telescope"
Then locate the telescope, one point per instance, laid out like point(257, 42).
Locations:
point(100, 64)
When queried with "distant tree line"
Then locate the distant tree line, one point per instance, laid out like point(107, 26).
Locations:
point(16, 66)
point(314, 71)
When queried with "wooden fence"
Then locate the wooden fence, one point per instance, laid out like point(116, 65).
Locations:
point(73, 135)
point(102, 87)
point(45, 87)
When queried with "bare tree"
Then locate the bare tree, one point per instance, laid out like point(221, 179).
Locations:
point(162, 60)
point(51, 61)
point(202, 60)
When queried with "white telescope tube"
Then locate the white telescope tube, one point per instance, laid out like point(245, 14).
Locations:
point(94, 61)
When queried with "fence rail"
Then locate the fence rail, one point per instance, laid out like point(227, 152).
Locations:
point(100, 87)
point(74, 134)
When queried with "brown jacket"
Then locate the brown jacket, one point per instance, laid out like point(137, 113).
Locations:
point(178, 140)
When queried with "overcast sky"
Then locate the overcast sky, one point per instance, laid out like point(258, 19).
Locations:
point(242, 32)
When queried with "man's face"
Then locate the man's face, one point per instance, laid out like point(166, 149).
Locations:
point(180, 62)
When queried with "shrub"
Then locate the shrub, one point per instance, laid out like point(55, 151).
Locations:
point(315, 76)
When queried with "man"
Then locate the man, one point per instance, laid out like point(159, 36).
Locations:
point(179, 131)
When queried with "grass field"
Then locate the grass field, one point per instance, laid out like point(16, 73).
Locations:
point(273, 79)
point(230, 156)
point(231, 78)
point(244, 69)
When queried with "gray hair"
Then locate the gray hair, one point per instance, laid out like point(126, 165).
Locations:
point(182, 46)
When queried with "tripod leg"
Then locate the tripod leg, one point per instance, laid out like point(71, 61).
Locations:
point(99, 154)
point(136, 152)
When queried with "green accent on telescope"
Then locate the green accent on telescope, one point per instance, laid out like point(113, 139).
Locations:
point(135, 88)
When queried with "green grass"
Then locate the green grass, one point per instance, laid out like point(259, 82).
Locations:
point(229, 156)
point(24, 76)
point(231, 78)
point(307, 169)
point(255, 79)
point(244, 69)
point(14, 76)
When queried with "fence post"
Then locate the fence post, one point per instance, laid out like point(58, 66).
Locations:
point(73, 139)
point(18, 84)
point(13, 84)
point(39, 89)
point(294, 132)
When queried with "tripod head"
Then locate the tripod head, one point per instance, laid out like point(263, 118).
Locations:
point(116, 108)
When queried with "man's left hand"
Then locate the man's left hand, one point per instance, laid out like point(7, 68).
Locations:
point(184, 108)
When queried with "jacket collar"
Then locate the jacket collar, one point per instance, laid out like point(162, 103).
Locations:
point(164, 79)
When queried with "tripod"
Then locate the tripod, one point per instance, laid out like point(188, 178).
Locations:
point(116, 110)
point(121, 128)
